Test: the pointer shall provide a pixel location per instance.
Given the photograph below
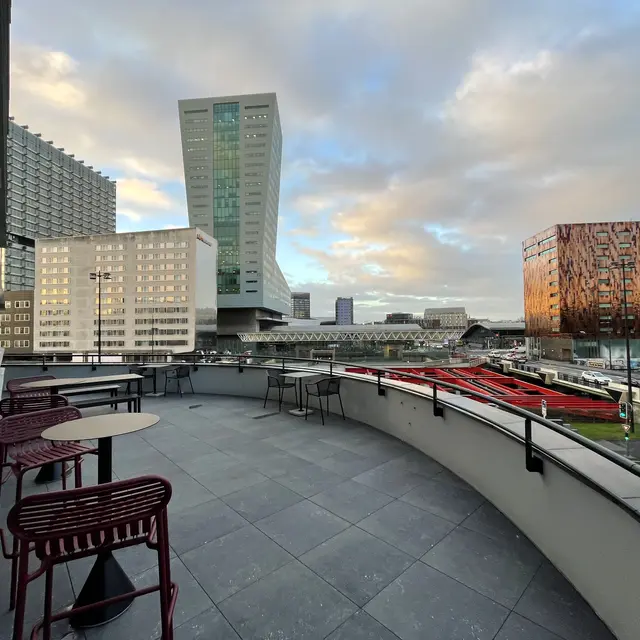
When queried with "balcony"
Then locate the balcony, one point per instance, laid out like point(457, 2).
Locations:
point(378, 526)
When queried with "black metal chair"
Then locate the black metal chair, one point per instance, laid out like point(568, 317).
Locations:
point(179, 373)
point(279, 382)
point(147, 374)
point(323, 389)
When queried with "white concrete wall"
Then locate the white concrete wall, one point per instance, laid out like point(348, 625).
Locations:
point(589, 538)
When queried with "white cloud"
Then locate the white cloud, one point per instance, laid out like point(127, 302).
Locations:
point(145, 193)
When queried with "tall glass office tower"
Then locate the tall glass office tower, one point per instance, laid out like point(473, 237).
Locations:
point(232, 151)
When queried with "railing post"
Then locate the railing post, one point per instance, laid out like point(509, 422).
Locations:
point(438, 411)
point(533, 464)
point(283, 367)
point(44, 363)
point(93, 364)
point(195, 362)
point(381, 390)
point(330, 368)
point(240, 367)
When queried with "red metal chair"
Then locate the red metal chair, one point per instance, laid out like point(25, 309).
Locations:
point(14, 387)
point(22, 449)
point(25, 404)
point(66, 525)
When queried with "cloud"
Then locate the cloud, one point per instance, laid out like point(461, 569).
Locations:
point(144, 193)
point(423, 141)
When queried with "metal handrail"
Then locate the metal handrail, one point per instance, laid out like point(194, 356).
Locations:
point(240, 360)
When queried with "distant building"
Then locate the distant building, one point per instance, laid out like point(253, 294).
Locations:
point(232, 152)
point(158, 291)
point(16, 322)
point(344, 311)
point(301, 305)
point(573, 281)
point(399, 318)
point(445, 318)
point(50, 194)
point(5, 24)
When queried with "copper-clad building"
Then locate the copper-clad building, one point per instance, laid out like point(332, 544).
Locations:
point(571, 284)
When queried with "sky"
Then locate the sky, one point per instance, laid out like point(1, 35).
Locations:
point(424, 140)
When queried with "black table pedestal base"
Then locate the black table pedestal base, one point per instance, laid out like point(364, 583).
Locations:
point(49, 473)
point(106, 580)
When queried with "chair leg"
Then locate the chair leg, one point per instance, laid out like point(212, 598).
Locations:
point(191, 383)
point(280, 392)
point(166, 379)
point(295, 390)
point(321, 412)
point(341, 407)
point(78, 471)
point(21, 598)
point(164, 571)
point(14, 573)
point(48, 597)
point(179, 387)
point(266, 397)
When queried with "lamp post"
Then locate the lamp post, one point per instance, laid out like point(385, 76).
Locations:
point(99, 276)
point(626, 265)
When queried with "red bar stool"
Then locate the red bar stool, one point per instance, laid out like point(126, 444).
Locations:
point(67, 525)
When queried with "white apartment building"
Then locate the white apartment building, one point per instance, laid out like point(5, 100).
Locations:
point(159, 288)
point(445, 318)
point(50, 194)
point(232, 151)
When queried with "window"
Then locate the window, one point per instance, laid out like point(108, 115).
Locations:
point(197, 139)
point(255, 106)
point(190, 111)
point(624, 245)
point(605, 305)
point(603, 270)
point(604, 294)
point(554, 306)
point(7, 304)
point(551, 249)
point(21, 343)
point(553, 272)
point(6, 344)
point(623, 234)
point(604, 281)
point(545, 240)
point(554, 318)
point(605, 318)
point(531, 246)
point(553, 260)
point(625, 257)
point(554, 295)
point(602, 246)
point(553, 283)
point(602, 234)
point(22, 331)
point(22, 304)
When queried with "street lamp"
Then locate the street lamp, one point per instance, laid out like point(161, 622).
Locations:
point(99, 276)
point(626, 265)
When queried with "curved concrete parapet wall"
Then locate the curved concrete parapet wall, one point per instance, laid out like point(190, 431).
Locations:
point(569, 511)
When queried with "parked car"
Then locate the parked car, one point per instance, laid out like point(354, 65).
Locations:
point(595, 376)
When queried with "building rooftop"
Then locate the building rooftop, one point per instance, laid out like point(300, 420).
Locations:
point(347, 328)
point(438, 310)
point(285, 528)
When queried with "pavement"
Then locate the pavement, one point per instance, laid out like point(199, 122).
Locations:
point(288, 529)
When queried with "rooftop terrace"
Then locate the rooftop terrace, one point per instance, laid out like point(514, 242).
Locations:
point(284, 528)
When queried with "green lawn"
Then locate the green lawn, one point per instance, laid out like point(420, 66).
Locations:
point(604, 430)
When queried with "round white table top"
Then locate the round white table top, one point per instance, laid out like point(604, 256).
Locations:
point(104, 426)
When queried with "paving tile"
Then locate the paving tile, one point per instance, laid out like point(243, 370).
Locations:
point(142, 619)
point(424, 604)
point(301, 527)
point(382, 450)
point(357, 564)
point(289, 439)
point(261, 500)
point(278, 464)
point(361, 626)
point(309, 480)
point(206, 626)
point(518, 628)
point(348, 464)
point(499, 571)
point(448, 476)
point(351, 500)
point(491, 522)
point(222, 482)
point(552, 602)
point(291, 603)
point(406, 527)
point(314, 450)
point(186, 492)
point(444, 500)
point(418, 462)
point(234, 561)
point(209, 460)
point(390, 479)
point(202, 523)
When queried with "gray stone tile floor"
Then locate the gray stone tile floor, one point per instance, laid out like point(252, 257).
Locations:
point(285, 528)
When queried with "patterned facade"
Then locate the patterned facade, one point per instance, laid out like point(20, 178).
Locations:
point(572, 285)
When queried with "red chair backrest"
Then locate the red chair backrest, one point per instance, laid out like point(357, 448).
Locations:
point(13, 387)
point(68, 523)
point(23, 427)
point(27, 404)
